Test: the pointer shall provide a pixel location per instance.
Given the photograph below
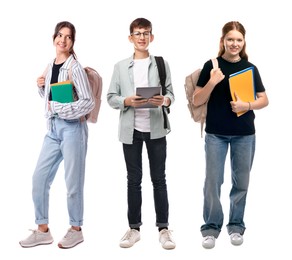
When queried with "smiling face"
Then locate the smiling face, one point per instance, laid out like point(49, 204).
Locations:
point(63, 41)
point(233, 43)
point(141, 38)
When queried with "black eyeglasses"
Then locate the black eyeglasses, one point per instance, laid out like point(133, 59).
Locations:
point(137, 35)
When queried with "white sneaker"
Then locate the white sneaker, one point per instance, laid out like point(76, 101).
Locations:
point(236, 239)
point(130, 238)
point(37, 238)
point(71, 239)
point(208, 242)
point(166, 240)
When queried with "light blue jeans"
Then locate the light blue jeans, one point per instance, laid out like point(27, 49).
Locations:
point(66, 140)
point(242, 149)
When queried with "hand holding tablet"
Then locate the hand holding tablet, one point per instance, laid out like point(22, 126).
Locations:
point(146, 93)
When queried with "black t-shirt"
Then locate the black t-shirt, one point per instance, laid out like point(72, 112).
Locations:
point(55, 75)
point(220, 118)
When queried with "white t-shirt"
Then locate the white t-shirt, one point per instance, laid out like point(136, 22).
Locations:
point(142, 115)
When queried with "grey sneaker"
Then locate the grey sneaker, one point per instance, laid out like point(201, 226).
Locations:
point(37, 238)
point(236, 239)
point(166, 240)
point(130, 238)
point(71, 239)
point(208, 242)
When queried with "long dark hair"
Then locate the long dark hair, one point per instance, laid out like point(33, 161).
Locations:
point(234, 25)
point(69, 25)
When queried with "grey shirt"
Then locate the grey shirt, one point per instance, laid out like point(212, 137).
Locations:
point(122, 86)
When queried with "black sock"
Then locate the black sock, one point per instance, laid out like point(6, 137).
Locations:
point(138, 229)
point(159, 229)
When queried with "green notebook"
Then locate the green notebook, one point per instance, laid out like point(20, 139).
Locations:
point(62, 92)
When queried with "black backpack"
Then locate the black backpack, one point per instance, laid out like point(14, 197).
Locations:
point(162, 75)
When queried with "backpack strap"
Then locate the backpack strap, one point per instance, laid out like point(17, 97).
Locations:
point(215, 63)
point(162, 75)
point(161, 71)
point(215, 66)
point(46, 71)
point(70, 70)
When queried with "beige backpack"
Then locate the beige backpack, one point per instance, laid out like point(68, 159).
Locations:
point(95, 82)
point(198, 113)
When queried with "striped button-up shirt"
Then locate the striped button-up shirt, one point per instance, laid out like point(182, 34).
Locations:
point(74, 110)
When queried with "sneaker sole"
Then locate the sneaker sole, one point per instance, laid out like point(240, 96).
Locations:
point(236, 243)
point(128, 246)
point(39, 244)
point(168, 247)
point(68, 247)
point(208, 246)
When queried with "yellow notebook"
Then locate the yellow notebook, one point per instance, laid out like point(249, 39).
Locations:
point(242, 84)
point(62, 92)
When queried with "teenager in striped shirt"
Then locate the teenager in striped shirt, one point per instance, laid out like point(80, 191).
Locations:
point(66, 140)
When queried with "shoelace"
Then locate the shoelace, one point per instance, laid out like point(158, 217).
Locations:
point(167, 235)
point(236, 236)
point(34, 232)
point(69, 233)
point(208, 237)
point(128, 235)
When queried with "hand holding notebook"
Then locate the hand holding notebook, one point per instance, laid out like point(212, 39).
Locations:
point(242, 84)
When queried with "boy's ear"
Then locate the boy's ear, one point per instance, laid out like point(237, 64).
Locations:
point(151, 37)
point(130, 38)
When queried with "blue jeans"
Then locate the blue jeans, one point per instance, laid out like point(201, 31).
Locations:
point(156, 149)
point(66, 140)
point(242, 149)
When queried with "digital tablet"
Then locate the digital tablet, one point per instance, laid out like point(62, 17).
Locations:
point(148, 92)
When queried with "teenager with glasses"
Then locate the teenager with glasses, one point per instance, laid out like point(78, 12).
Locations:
point(138, 34)
point(224, 130)
point(139, 126)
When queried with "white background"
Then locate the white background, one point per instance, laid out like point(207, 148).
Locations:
point(187, 34)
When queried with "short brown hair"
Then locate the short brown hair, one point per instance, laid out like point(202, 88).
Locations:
point(140, 23)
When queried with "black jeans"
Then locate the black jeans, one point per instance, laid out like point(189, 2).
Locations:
point(156, 149)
